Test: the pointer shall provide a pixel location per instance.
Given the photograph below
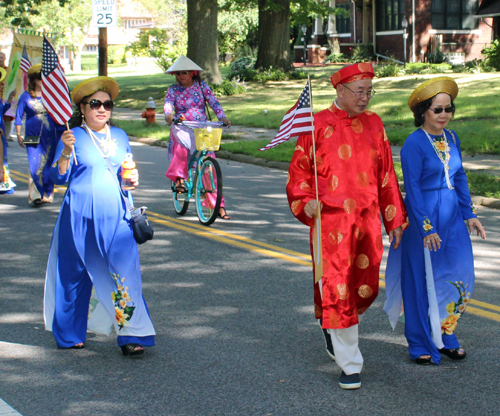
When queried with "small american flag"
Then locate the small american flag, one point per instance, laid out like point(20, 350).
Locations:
point(297, 121)
point(55, 91)
point(25, 60)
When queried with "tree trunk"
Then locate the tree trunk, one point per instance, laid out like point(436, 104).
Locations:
point(274, 35)
point(203, 43)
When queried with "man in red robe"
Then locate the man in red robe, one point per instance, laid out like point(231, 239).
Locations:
point(356, 182)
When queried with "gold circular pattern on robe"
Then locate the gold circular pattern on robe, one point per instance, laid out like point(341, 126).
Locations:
point(299, 148)
point(333, 183)
point(390, 212)
point(386, 180)
point(319, 161)
point(373, 154)
point(304, 162)
point(357, 126)
point(368, 112)
point(432, 87)
point(342, 291)
point(345, 151)
point(334, 319)
point(359, 233)
point(362, 261)
point(350, 205)
point(305, 186)
point(349, 260)
point(288, 178)
point(335, 237)
point(363, 179)
point(295, 206)
point(385, 136)
point(379, 242)
point(365, 291)
point(328, 132)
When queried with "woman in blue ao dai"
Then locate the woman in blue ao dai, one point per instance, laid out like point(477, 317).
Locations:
point(93, 276)
point(431, 274)
point(6, 183)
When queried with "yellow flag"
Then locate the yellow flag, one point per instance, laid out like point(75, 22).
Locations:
point(317, 246)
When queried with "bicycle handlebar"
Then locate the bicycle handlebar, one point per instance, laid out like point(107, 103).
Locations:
point(179, 120)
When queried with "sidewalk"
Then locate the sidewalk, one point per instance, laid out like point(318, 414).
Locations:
point(489, 164)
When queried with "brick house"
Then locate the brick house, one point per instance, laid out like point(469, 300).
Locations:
point(451, 26)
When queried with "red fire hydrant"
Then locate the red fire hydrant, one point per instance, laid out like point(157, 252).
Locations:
point(150, 114)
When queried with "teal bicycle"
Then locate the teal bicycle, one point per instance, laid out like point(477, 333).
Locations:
point(204, 180)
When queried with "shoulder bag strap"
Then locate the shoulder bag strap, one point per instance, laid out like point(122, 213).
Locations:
point(206, 103)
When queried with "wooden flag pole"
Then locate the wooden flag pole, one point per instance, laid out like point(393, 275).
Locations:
point(317, 246)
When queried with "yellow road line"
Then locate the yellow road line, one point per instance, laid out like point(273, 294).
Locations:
point(281, 253)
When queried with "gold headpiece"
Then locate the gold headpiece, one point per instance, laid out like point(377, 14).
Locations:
point(35, 69)
point(432, 87)
point(92, 85)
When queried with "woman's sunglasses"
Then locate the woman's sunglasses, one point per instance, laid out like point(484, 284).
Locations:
point(181, 73)
point(96, 104)
point(439, 110)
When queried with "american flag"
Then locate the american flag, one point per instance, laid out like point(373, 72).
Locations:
point(55, 91)
point(25, 60)
point(297, 121)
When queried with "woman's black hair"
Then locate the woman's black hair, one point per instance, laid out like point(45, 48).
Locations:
point(32, 78)
point(76, 119)
point(422, 107)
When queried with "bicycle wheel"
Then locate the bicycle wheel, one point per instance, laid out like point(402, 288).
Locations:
point(208, 194)
point(181, 201)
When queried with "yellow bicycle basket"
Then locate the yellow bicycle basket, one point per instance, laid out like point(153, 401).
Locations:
point(208, 138)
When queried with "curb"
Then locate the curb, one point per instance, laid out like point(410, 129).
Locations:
point(238, 157)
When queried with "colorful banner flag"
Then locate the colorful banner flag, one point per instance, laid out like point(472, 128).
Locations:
point(25, 60)
point(55, 90)
point(297, 120)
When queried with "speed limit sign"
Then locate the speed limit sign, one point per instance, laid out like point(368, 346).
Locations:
point(104, 13)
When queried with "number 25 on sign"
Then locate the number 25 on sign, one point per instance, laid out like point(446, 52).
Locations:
point(104, 13)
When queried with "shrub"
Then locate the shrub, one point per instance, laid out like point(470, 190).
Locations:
point(89, 61)
point(492, 54)
point(437, 57)
point(116, 54)
point(475, 66)
point(392, 70)
point(298, 74)
point(229, 87)
point(243, 63)
point(334, 58)
point(362, 53)
point(245, 74)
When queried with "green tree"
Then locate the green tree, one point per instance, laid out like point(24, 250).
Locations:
point(71, 22)
point(19, 13)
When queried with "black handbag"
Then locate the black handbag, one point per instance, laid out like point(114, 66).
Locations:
point(31, 139)
point(141, 226)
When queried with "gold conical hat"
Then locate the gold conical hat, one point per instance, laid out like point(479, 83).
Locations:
point(432, 87)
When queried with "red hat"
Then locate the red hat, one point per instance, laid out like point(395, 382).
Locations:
point(352, 73)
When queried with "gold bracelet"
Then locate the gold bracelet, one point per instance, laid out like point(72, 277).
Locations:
point(65, 156)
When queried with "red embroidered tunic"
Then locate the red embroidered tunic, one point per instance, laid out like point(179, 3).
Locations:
point(356, 182)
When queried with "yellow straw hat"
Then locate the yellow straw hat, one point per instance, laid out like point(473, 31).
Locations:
point(3, 74)
point(92, 85)
point(432, 87)
point(35, 69)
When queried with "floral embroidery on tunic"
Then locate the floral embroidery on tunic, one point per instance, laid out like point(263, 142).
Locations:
point(427, 225)
point(472, 208)
point(455, 309)
point(123, 303)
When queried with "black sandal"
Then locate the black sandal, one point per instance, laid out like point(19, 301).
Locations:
point(456, 354)
point(424, 359)
point(133, 350)
point(224, 216)
point(180, 186)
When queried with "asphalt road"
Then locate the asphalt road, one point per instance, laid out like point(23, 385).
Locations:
point(233, 313)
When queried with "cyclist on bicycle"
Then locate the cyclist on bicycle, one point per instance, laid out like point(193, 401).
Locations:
point(187, 98)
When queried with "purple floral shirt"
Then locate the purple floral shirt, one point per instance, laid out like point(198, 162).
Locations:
point(189, 101)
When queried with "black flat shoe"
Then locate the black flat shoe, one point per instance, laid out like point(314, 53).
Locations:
point(423, 360)
point(456, 354)
point(132, 350)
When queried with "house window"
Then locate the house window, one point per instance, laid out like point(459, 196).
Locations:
point(344, 23)
point(454, 14)
point(390, 14)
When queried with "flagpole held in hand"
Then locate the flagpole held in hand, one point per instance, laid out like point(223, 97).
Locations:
point(55, 90)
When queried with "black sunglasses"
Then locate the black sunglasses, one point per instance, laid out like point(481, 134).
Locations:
point(96, 104)
point(439, 110)
point(181, 73)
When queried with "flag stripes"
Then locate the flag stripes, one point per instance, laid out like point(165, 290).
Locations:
point(25, 60)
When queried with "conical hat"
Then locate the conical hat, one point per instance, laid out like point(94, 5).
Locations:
point(3, 74)
point(183, 63)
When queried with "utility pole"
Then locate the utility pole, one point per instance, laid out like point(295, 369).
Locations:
point(104, 15)
point(103, 51)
